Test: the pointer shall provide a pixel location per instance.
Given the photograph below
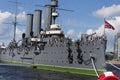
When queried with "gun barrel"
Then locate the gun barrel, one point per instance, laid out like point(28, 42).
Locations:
point(91, 34)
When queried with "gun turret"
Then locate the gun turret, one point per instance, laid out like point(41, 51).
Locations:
point(85, 37)
point(90, 35)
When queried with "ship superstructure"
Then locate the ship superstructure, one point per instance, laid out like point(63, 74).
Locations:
point(49, 46)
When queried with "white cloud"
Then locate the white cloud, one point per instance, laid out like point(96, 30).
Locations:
point(106, 12)
point(70, 33)
point(4, 16)
point(19, 34)
point(21, 16)
point(79, 35)
point(4, 29)
point(90, 31)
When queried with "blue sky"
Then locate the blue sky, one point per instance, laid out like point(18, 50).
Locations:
point(88, 17)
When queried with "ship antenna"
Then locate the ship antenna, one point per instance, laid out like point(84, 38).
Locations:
point(15, 18)
point(15, 22)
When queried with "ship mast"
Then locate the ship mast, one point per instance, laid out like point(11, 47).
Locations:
point(15, 22)
point(54, 5)
point(15, 19)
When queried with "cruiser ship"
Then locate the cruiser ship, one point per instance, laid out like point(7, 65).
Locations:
point(49, 46)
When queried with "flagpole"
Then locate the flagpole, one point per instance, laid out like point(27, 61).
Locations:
point(104, 27)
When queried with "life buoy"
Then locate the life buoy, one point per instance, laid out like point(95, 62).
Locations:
point(108, 76)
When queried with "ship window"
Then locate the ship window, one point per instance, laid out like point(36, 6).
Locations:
point(18, 53)
point(90, 51)
point(98, 48)
point(101, 42)
point(3, 52)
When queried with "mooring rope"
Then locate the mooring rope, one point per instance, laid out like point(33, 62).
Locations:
point(114, 66)
point(94, 66)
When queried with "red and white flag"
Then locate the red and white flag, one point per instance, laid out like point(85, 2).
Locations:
point(108, 25)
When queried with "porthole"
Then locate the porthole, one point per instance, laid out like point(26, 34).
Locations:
point(98, 48)
point(90, 51)
point(84, 52)
point(101, 42)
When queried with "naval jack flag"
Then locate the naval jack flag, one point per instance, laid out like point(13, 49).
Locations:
point(108, 25)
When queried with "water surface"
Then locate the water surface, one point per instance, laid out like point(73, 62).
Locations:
point(10, 72)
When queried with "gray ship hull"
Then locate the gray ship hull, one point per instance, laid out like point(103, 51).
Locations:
point(57, 54)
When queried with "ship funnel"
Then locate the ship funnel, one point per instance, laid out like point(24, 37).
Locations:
point(37, 22)
point(48, 17)
point(54, 3)
point(29, 25)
